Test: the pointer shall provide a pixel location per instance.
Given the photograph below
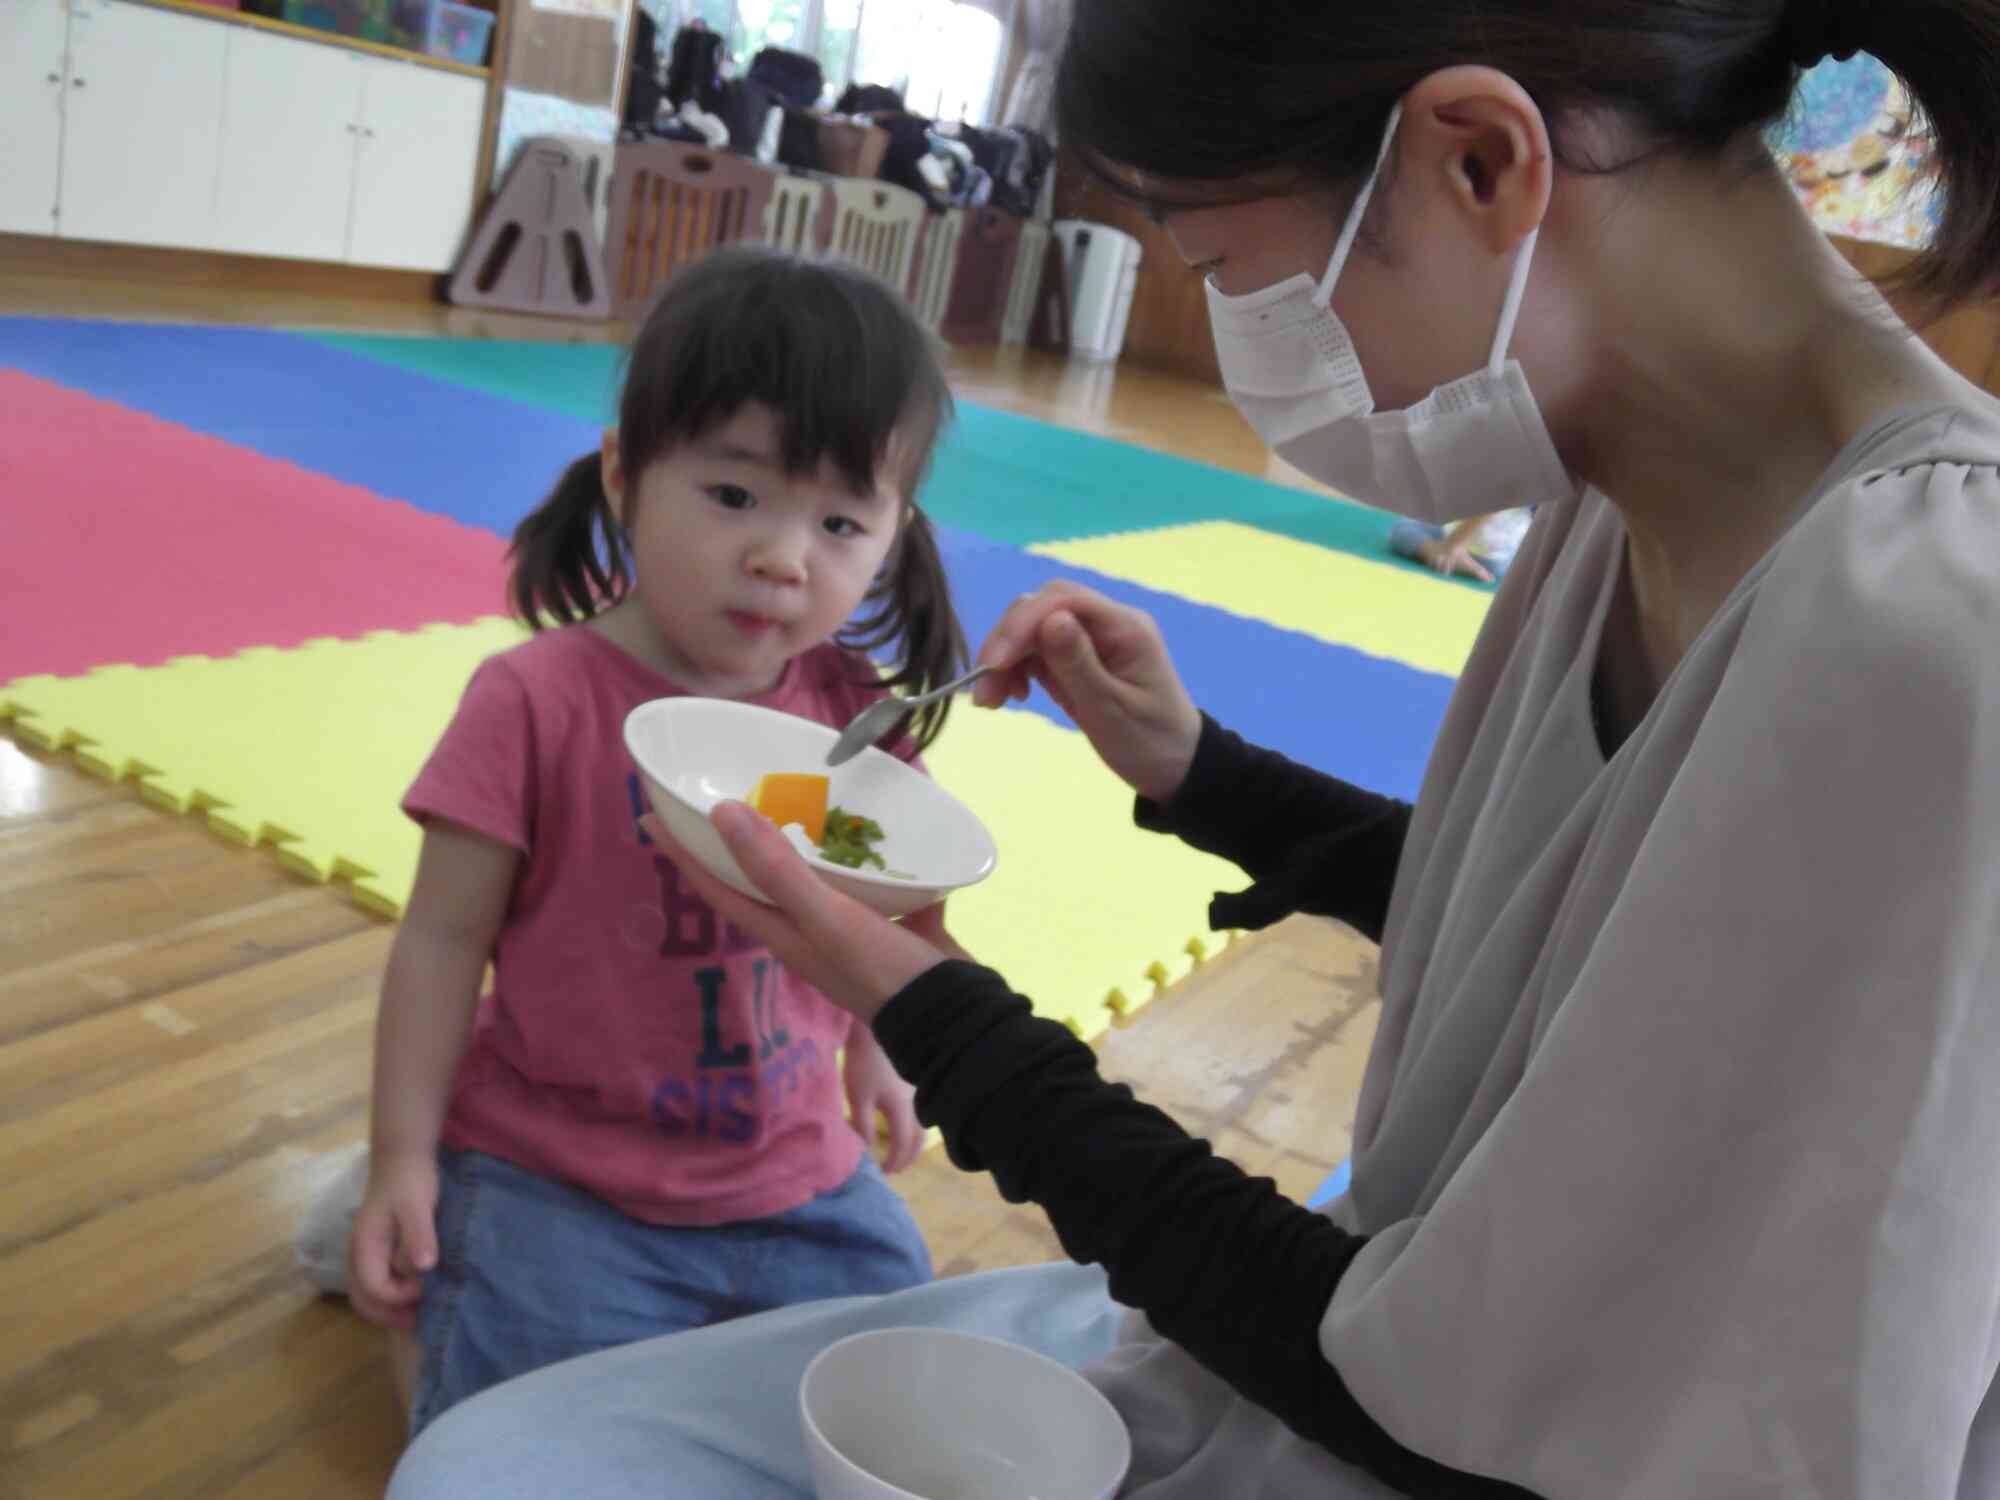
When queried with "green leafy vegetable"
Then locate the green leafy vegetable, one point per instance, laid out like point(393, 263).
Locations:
point(850, 840)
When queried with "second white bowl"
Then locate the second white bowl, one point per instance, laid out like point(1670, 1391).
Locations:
point(938, 1415)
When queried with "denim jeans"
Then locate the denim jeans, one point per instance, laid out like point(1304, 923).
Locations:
point(532, 1271)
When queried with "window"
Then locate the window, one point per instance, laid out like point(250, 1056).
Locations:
point(955, 63)
point(767, 23)
point(944, 56)
point(839, 28)
point(719, 14)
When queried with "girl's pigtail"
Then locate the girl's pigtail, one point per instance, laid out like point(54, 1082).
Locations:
point(914, 609)
point(569, 554)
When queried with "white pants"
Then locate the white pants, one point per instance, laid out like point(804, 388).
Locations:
point(715, 1412)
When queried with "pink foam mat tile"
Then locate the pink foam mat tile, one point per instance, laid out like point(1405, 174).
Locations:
point(127, 539)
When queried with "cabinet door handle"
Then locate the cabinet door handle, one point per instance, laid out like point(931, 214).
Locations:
point(76, 83)
point(55, 78)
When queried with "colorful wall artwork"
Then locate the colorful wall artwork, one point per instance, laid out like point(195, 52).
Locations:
point(1859, 155)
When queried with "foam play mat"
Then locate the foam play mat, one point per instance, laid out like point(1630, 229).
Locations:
point(1281, 687)
point(310, 750)
point(131, 539)
point(1334, 597)
point(252, 571)
point(1008, 477)
point(477, 430)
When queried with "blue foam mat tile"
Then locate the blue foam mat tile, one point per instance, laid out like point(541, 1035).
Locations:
point(480, 459)
point(1336, 1183)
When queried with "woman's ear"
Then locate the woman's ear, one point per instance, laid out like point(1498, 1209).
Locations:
point(1479, 134)
point(611, 470)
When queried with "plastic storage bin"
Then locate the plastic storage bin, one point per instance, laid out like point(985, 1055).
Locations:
point(318, 14)
point(1103, 267)
point(988, 246)
point(850, 148)
point(367, 19)
point(1024, 290)
point(460, 33)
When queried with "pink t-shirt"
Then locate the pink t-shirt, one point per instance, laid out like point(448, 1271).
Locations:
point(633, 1044)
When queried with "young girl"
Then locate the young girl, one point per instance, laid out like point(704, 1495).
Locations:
point(641, 1128)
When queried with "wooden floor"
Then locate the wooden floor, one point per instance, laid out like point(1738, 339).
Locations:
point(184, 1034)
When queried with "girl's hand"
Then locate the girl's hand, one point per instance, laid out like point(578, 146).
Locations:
point(875, 1088)
point(394, 1241)
point(857, 958)
point(1106, 666)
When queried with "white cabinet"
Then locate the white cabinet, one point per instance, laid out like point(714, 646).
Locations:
point(33, 70)
point(289, 128)
point(331, 155)
point(142, 125)
point(123, 121)
point(413, 174)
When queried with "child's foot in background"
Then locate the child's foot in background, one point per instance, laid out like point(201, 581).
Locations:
point(1481, 548)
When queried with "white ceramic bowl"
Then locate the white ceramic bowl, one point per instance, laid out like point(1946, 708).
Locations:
point(928, 1413)
point(696, 752)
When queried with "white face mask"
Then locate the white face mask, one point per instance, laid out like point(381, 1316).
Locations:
point(1469, 448)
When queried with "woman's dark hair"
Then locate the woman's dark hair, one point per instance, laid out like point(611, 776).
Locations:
point(1232, 99)
point(853, 378)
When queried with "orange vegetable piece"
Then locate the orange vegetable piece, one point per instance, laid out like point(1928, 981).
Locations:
point(793, 797)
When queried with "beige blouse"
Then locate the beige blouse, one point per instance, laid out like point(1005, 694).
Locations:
point(1680, 1145)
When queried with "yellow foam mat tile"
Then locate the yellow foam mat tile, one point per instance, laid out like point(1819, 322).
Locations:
point(310, 750)
point(1086, 914)
point(1380, 608)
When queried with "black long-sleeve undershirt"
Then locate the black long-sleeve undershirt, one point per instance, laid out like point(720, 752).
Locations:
point(1310, 842)
point(1220, 1262)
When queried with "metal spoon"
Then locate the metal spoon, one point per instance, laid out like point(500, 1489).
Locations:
point(878, 718)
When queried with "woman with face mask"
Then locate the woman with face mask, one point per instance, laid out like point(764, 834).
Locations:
point(1674, 1170)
